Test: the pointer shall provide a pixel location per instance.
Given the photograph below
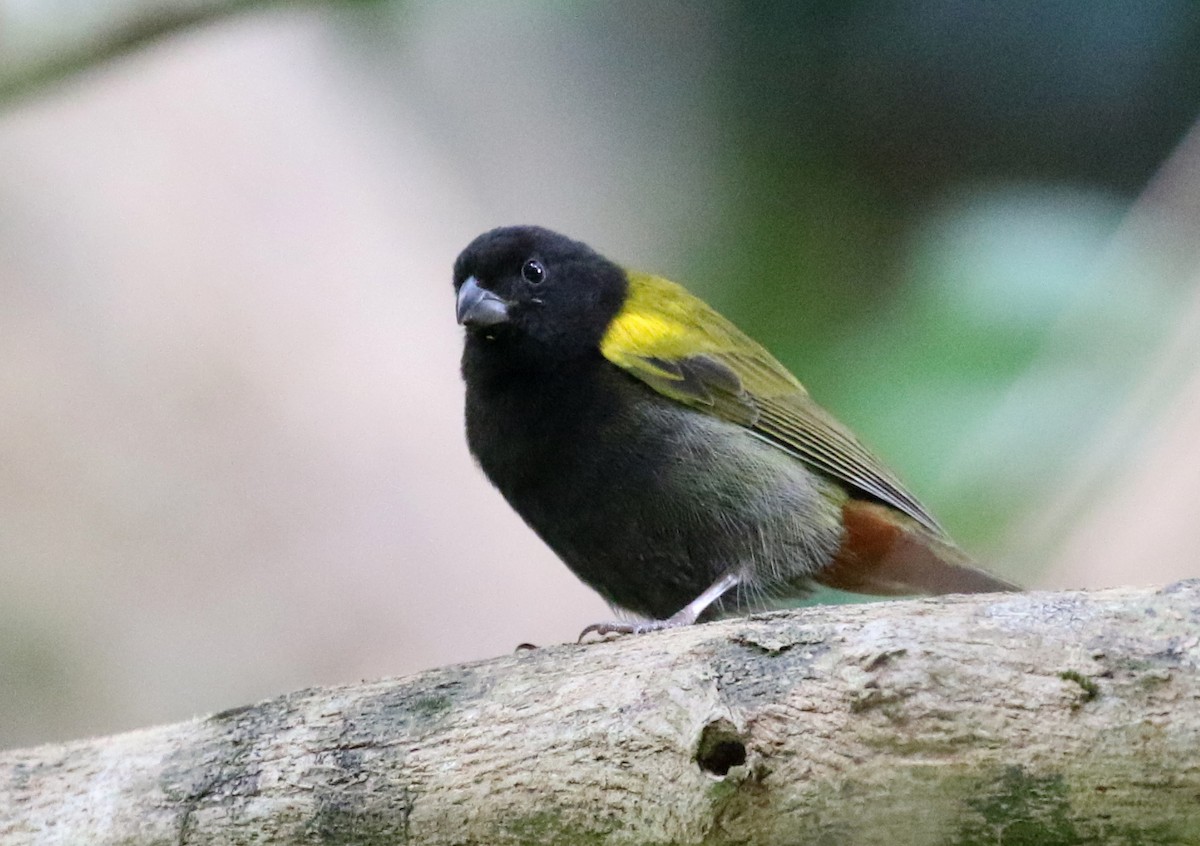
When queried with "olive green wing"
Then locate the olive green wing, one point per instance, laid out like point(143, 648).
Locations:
point(685, 350)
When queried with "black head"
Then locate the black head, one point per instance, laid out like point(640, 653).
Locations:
point(533, 291)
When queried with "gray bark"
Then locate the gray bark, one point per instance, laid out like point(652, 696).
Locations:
point(1064, 718)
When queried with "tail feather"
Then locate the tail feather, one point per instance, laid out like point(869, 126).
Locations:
point(886, 554)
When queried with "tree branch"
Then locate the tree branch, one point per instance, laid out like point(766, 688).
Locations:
point(34, 56)
point(1065, 718)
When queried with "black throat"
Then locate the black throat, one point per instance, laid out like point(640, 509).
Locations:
point(528, 416)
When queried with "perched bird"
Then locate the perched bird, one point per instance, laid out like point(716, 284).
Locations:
point(671, 462)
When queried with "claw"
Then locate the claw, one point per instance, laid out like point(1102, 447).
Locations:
point(683, 617)
point(602, 630)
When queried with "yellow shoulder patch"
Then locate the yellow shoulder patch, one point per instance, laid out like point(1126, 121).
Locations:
point(653, 323)
point(662, 322)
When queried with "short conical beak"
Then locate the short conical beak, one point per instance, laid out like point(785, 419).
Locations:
point(478, 306)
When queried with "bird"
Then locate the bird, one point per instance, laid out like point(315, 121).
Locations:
point(671, 462)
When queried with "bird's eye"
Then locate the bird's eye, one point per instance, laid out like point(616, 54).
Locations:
point(533, 272)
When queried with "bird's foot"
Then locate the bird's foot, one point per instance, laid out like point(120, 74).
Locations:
point(683, 617)
point(603, 630)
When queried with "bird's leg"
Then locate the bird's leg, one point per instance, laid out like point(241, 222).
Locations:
point(683, 617)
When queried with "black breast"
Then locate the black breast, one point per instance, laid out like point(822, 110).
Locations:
point(571, 452)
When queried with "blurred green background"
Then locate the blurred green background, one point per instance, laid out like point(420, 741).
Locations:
point(231, 460)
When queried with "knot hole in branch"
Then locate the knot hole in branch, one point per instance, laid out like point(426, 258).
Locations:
point(721, 748)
